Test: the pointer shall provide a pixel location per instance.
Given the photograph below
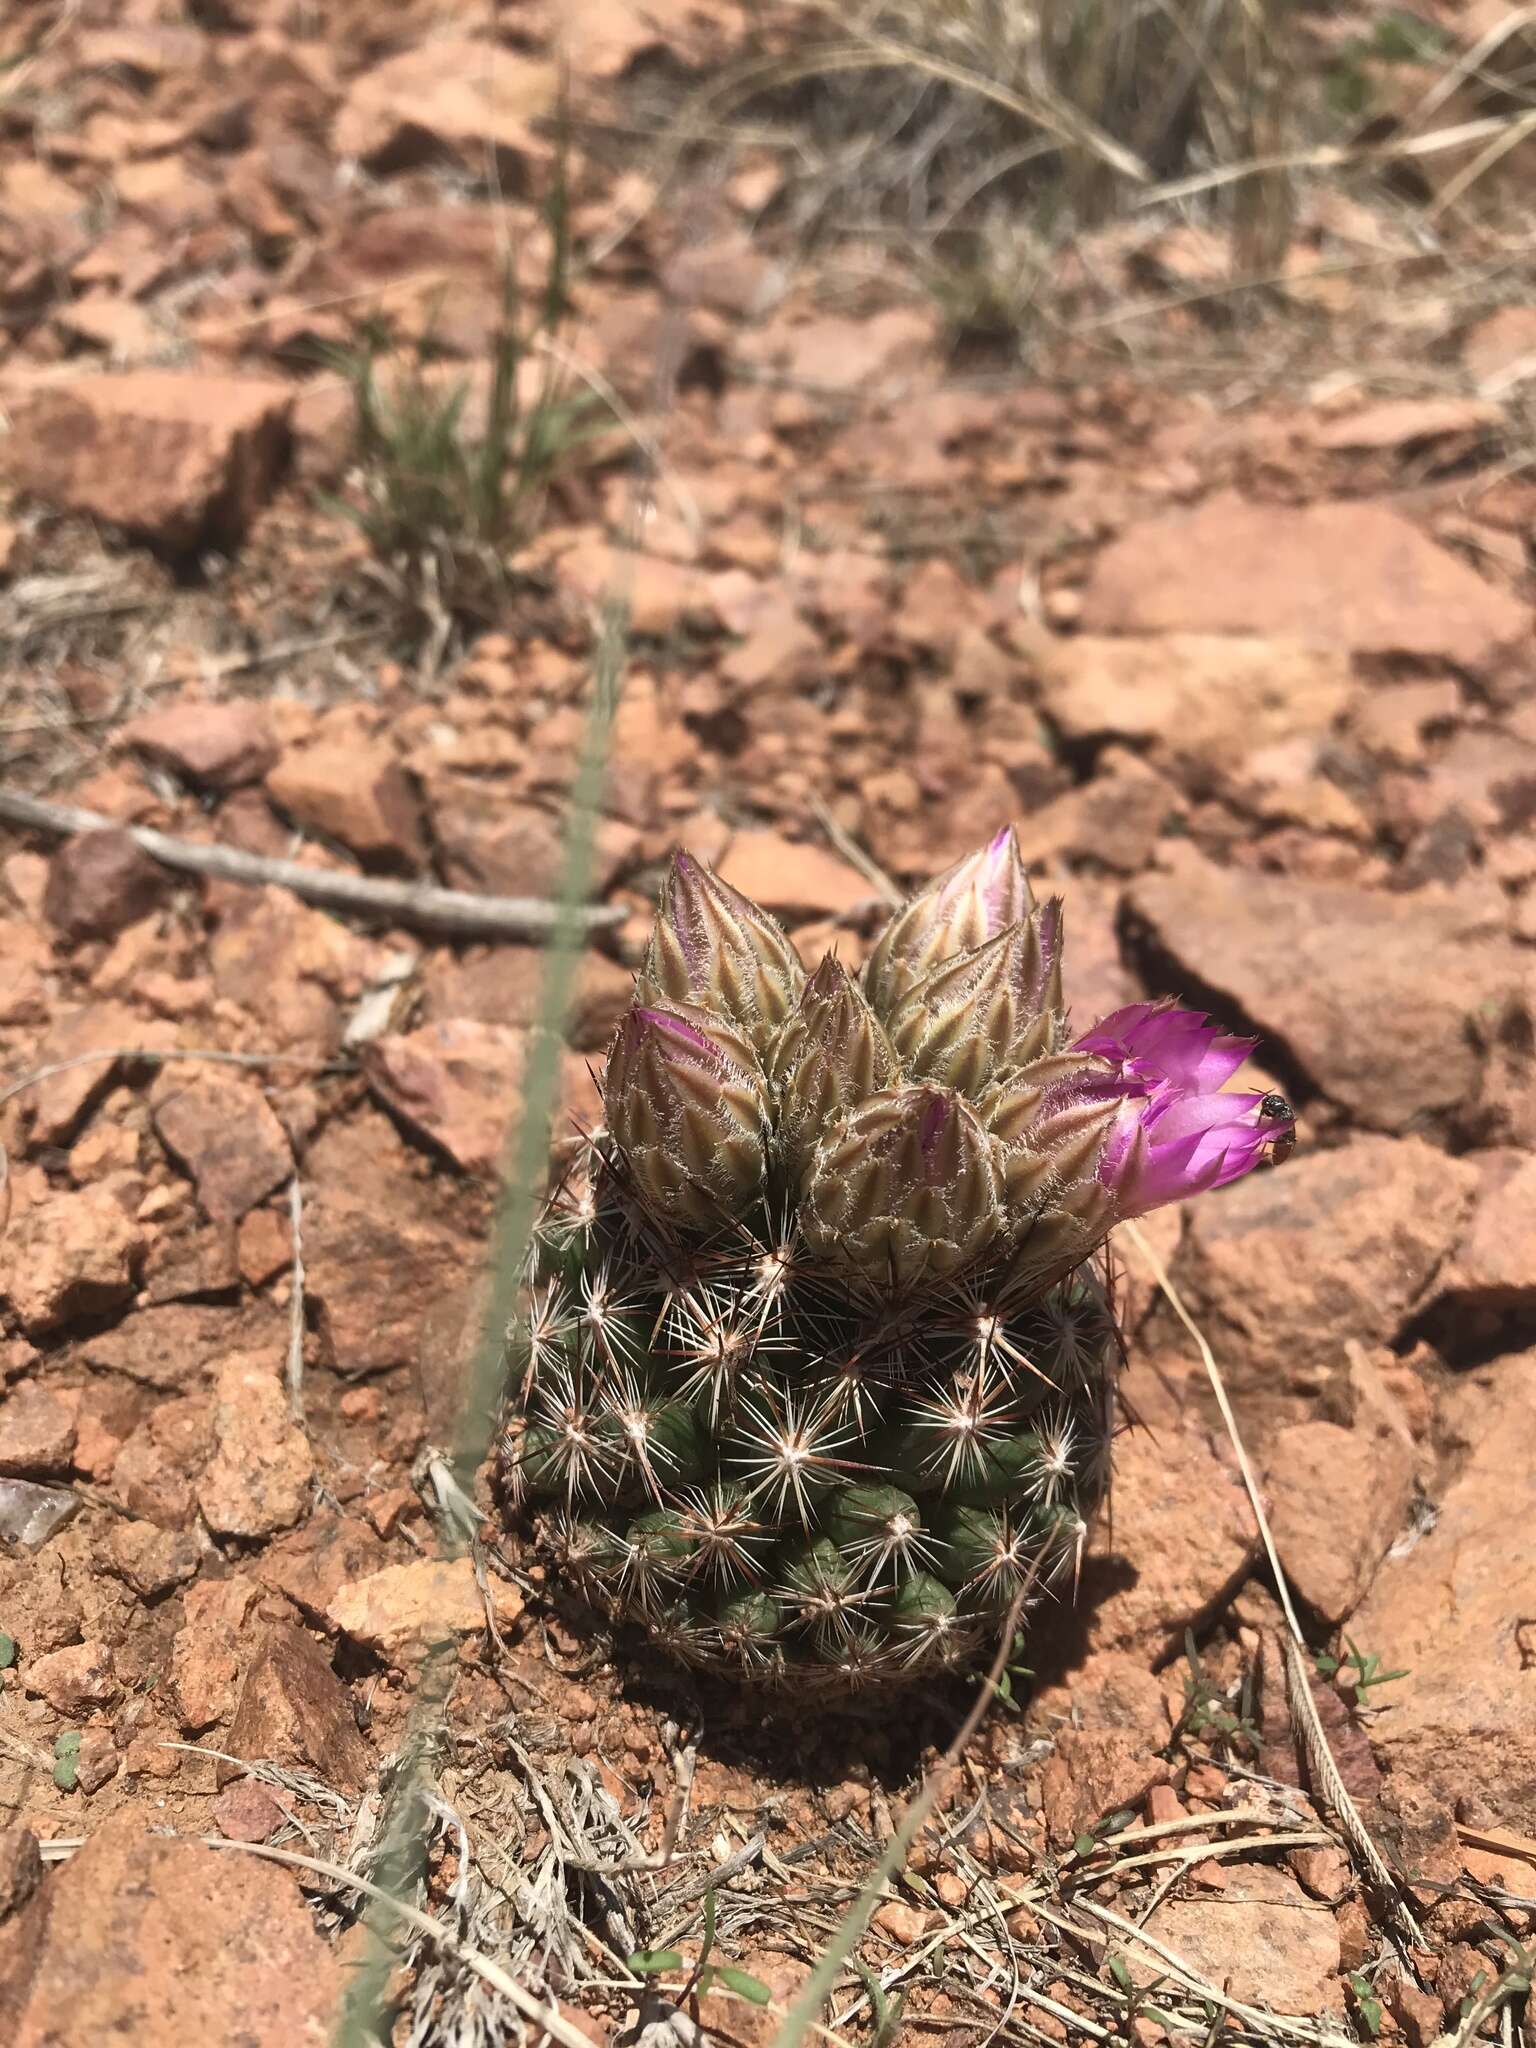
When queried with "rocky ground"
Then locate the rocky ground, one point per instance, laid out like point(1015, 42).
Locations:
point(1247, 658)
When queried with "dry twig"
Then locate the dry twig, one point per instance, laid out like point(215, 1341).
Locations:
point(1305, 1722)
point(420, 904)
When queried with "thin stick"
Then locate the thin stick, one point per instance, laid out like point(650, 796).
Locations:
point(1159, 1273)
point(1306, 1723)
point(1307, 1727)
point(296, 1303)
point(407, 903)
point(856, 857)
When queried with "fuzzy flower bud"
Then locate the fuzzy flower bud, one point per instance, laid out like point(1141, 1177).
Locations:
point(713, 947)
point(905, 1189)
point(1177, 1129)
point(970, 903)
point(988, 1011)
point(830, 1053)
point(687, 1105)
point(1047, 1135)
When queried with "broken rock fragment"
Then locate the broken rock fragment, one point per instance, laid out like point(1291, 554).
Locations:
point(184, 459)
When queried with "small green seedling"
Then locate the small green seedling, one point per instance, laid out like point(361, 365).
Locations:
point(887, 2011)
point(1367, 2004)
point(655, 1962)
point(1357, 1672)
point(1209, 1715)
point(666, 1962)
point(66, 1760)
point(1111, 1824)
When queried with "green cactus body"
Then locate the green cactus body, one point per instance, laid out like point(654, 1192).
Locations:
point(813, 1379)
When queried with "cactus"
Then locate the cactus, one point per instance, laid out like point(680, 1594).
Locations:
point(814, 1375)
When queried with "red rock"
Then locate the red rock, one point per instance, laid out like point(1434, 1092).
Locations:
point(456, 1083)
point(1406, 423)
point(106, 320)
point(1385, 1000)
point(387, 1510)
point(1100, 981)
point(514, 849)
point(1447, 1610)
point(1114, 822)
point(97, 1762)
point(37, 1430)
point(1414, 1826)
point(1491, 1268)
point(657, 594)
point(216, 746)
point(220, 1127)
point(152, 1473)
point(780, 649)
point(288, 965)
point(41, 1594)
point(75, 1681)
point(448, 95)
point(310, 1566)
point(936, 606)
point(1354, 576)
point(1261, 1939)
point(165, 1942)
point(399, 1611)
point(1322, 1873)
point(1093, 1773)
point(732, 275)
point(373, 1276)
point(99, 883)
point(21, 1868)
point(1500, 351)
point(72, 1254)
point(354, 791)
point(1392, 722)
point(836, 353)
point(189, 1259)
point(1203, 701)
point(1180, 1542)
point(380, 248)
point(93, 1037)
point(1164, 1805)
point(168, 1347)
point(1281, 1269)
point(183, 458)
point(261, 1475)
point(1337, 1499)
point(247, 1812)
point(792, 879)
point(265, 1246)
point(294, 1710)
point(28, 960)
point(150, 1559)
point(905, 1925)
point(211, 1649)
point(1107, 1691)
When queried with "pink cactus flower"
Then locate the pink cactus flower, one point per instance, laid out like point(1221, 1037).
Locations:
point(1180, 1130)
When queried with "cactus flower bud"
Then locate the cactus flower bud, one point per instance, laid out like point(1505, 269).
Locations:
point(830, 1053)
point(970, 903)
point(988, 1011)
point(687, 1104)
point(905, 1189)
point(1177, 1129)
point(711, 946)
